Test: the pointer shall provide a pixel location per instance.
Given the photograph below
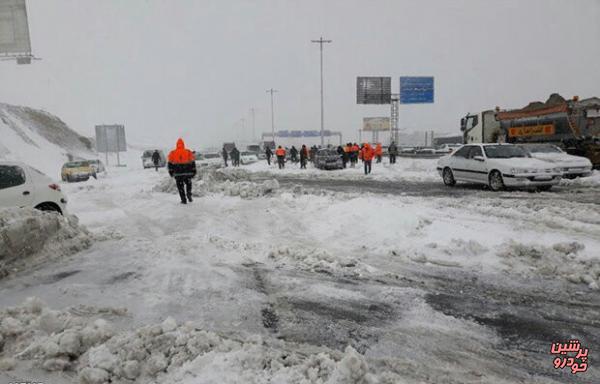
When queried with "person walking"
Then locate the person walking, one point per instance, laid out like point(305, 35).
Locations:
point(355, 152)
point(294, 154)
point(235, 157)
point(378, 152)
point(269, 154)
point(182, 166)
point(225, 155)
point(367, 153)
point(303, 156)
point(280, 153)
point(393, 152)
point(156, 159)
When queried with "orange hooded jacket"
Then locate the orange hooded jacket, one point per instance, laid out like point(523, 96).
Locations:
point(367, 152)
point(181, 155)
point(378, 150)
point(280, 152)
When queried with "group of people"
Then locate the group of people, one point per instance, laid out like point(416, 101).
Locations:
point(234, 154)
point(182, 161)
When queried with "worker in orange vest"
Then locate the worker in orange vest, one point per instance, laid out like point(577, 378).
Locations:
point(280, 153)
point(182, 166)
point(367, 153)
point(378, 152)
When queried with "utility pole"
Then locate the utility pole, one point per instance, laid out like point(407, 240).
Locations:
point(271, 91)
point(253, 125)
point(321, 42)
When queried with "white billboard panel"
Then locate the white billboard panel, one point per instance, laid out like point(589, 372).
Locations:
point(110, 138)
point(371, 124)
point(14, 30)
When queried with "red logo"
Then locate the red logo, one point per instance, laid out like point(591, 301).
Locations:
point(571, 355)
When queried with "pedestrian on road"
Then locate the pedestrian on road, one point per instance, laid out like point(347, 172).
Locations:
point(303, 156)
point(235, 157)
point(225, 155)
point(355, 152)
point(393, 152)
point(269, 154)
point(182, 166)
point(367, 154)
point(346, 156)
point(280, 153)
point(294, 154)
point(378, 152)
point(156, 159)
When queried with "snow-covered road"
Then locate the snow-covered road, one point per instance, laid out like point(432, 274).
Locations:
point(468, 288)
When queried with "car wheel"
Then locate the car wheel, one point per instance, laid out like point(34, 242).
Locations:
point(448, 177)
point(496, 182)
point(49, 207)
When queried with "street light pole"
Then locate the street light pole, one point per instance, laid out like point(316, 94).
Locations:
point(271, 91)
point(253, 125)
point(321, 42)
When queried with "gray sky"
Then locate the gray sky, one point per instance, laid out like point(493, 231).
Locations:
point(194, 68)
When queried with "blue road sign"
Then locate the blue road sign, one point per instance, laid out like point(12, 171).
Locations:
point(416, 89)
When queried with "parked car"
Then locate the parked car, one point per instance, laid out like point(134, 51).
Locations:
point(24, 186)
point(448, 148)
point(77, 171)
point(498, 166)
point(149, 163)
point(248, 157)
point(327, 158)
point(570, 165)
point(207, 159)
point(98, 166)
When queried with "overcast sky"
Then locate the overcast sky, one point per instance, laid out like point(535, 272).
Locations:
point(194, 68)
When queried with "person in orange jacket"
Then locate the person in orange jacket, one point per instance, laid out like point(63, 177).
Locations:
point(378, 152)
point(280, 153)
point(367, 153)
point(182, 166)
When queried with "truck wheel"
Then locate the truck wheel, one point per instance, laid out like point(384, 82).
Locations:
point(448, 177)
point(496, 182)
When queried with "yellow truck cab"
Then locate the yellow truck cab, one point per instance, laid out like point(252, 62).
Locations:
point(77, 171)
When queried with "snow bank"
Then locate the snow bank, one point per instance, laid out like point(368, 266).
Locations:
point(590, 181)
point(227, 181)
point(559, 260)
point(167, 352)
point(29, 237)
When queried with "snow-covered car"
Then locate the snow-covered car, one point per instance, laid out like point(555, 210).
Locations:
point(327, 158)
point(147, 161)
point(498, 166)
point(73, 171)
point(570, 165)
point(248, 158)
point(24, 186)
point(207, 159)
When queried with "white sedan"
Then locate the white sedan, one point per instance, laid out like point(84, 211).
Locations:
point(498, 166)
point(571, 166)
point(24, 186)
point(248, 158)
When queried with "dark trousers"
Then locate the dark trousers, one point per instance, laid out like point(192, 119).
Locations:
point(225, 161)
point(182, 181)
point(367, 166)
point(281, 161)
point(392, 159)
point(379, 159)
point(302, 162)
point(269, 160)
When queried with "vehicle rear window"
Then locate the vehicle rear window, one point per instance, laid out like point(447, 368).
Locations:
point(504, 151)
point(11, 176)
point(543, 149)
point(475, 151)
point(463, 152)
point(77, 164)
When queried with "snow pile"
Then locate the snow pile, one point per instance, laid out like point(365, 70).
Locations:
point(561, 259)
point(591, 181)
point(29, 237)
point(230, 182)
point(320, 261)
point(166, 352)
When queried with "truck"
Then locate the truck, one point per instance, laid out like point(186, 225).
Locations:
point(573, 124)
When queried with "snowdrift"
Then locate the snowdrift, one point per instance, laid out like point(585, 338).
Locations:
point(90, 347)
point(29, 237)
point(39, 139)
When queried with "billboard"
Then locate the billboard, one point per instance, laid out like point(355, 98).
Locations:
point(110, 138)
point(416, 89)
point(373, 90)
point(371, 124)
point(14, 30)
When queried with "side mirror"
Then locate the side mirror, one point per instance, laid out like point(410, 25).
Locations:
point(479, 158)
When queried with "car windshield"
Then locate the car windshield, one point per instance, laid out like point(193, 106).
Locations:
point(504, 151)
point(247, 154)
point(77, 164)
point(543, 149)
